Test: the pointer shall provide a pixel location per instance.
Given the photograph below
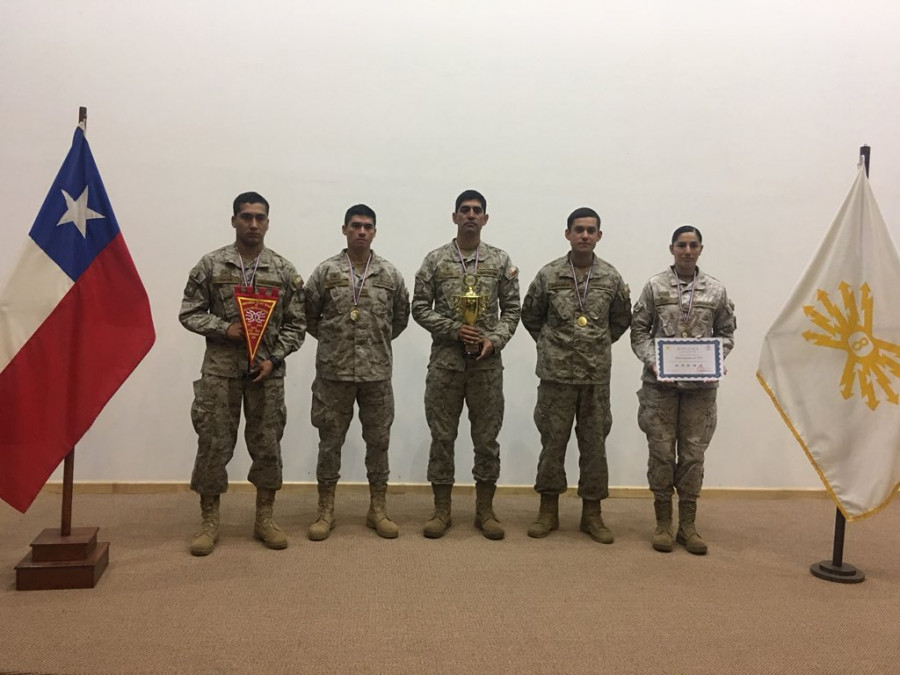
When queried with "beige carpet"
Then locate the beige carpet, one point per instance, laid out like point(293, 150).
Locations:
point(462, 604)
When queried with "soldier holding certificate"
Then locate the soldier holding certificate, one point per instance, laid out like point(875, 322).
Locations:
point(575, 308)
point(356, 304)
point(467, 297)
point(247, 301)
point(678, 415)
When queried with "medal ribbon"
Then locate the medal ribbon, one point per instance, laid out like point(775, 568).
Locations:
point(465, 267)
point(685, 315)
point(248, 281)
point(354, 289)
point(582, 297)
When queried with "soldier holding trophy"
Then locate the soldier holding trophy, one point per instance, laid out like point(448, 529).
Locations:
point(247, 301)
point(467, 296)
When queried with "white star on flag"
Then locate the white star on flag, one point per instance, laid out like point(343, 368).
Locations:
point(77, 212)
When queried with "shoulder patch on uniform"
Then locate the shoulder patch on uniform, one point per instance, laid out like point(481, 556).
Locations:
point(298, 281)
point(512, 271)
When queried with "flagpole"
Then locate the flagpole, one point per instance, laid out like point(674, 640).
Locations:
point(836, 570)
point(65, 527)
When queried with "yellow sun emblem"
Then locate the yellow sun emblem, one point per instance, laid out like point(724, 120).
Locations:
point(868, 358)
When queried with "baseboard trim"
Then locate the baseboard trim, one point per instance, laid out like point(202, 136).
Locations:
point(136, 488)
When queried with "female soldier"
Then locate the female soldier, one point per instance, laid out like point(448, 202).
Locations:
point(679, 417)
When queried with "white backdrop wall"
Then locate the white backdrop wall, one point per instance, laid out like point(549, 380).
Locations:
point(743, 118)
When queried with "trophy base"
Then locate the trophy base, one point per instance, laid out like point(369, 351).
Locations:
point(472, 350)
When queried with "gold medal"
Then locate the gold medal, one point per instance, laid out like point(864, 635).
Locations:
point(582, 321)
point(470, 280)
point(354, 314)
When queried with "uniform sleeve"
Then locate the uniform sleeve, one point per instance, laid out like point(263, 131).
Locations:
point(510, 307)
point(534, 307)
point(314, 302)
point(725, 323)
point(401, 308)
point(293, 324)
point(194, 314)
point(642, 326)
point(422, 307)
point(620, 312)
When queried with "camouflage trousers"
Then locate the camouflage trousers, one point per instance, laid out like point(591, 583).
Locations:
point(679, 424)
point(445, 392)
point(558, 405)
point(216, 414)
point(331, 413)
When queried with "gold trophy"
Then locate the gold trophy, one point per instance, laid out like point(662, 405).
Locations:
point(471, 306)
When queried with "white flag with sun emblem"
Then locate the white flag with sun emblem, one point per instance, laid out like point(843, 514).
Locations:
point(831, 361)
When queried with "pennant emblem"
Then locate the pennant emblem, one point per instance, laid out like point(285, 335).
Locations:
point(256, 309)
point(868, 358)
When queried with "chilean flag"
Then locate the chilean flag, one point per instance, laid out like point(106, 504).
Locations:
point(74, 323)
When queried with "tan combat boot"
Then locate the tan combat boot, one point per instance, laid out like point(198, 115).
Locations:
point(324, 524)
point(592, 522)
point(377, 517)
point(485, 520)
point(548, 517)
point(264, 528)
point(662, 538)
point(687, 534)
point(440, 522)
point(205, 539)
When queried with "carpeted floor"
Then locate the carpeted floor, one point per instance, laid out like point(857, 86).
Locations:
point(462, 604)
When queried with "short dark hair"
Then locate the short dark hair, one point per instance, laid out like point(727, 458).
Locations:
point(583, 212)
point(469, 195)
point(249, 198)
point(686, 228)
point(359, 210)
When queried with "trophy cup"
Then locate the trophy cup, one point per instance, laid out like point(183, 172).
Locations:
point(471, 306)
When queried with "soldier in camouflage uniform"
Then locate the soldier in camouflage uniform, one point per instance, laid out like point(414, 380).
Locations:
point(226, 383)
point(679, 418)
point(356, 304)
point(575, 308)
point(453, 378)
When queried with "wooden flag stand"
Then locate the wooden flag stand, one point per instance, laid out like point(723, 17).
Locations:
point(67, 557)
point(836, 569)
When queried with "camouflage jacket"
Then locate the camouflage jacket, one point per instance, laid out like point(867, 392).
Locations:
point(209, 307)
point(360, 350)
point(435, 304)
point(657, 313)
point(568, 352)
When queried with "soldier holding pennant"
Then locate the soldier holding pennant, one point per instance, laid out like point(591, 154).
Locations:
point(247, 301)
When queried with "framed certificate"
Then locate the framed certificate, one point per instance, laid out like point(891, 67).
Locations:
point(688, 359)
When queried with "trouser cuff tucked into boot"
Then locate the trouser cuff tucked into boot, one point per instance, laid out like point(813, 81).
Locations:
point(440, 521)
point(662, 537)
point(485, 520)
point(377, 517)
point(206, 537)
point(592, 522)
point(547, 518)
point(324, 522)
point(687, 533)
point(265, 528)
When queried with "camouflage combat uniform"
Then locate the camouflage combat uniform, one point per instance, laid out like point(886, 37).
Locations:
point(208, 308)
point(354, 360)
point(678, 413)
point(452, 378)
point(574, 365)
